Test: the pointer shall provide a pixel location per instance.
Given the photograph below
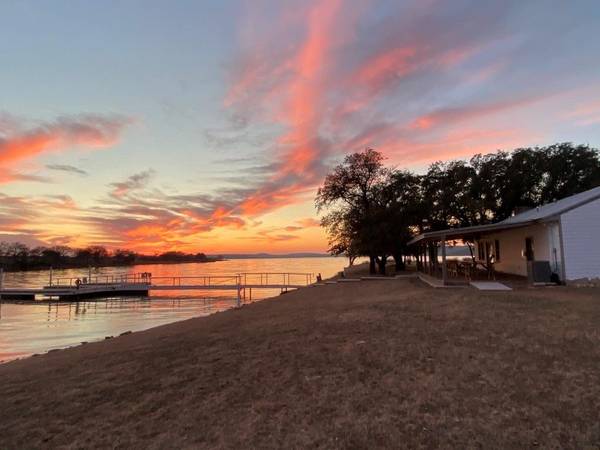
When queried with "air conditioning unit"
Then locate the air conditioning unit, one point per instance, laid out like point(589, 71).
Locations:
point(539, 271)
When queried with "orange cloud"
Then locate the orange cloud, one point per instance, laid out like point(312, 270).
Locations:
point(306, 88)
point(300, 81)
point(90, 131)
point(309, 222)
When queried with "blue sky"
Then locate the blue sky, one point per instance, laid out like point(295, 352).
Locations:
point(209, 125)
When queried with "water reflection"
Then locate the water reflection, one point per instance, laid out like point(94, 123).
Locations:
point(42, 326)
point(36, 327)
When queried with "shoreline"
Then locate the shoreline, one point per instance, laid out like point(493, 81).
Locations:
point(68, 267)
point(210, 259)
point(336, 366)
point(107, 337)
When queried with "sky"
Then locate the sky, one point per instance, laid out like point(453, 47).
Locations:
point(209, 125)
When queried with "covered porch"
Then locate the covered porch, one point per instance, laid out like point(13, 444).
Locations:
point(431, 254)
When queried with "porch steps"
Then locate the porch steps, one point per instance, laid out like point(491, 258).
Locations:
point(437, 283)
point(377, 278)
point(490, 286)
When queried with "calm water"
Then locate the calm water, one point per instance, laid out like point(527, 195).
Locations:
point(26, 329)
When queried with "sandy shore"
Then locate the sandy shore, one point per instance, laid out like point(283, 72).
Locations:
point(370, 364)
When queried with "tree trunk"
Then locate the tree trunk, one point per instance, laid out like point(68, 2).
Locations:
point(372, 270)
point(382, 262)
point(470, 246)
point(399, 262)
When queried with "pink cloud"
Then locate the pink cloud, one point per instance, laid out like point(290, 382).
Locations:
point(586, 113)
point(451, 115)
point(87, 131)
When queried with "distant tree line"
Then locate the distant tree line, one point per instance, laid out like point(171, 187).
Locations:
point(18, 256)
point(372, 210)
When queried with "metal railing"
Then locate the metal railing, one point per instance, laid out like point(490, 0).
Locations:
point(200, 281)
point(256, 279)
point(127, 278)
point(277, 278)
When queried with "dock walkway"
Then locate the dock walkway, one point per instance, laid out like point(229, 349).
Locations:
point(142, 283)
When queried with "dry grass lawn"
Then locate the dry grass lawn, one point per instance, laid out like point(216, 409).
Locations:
point(355, 365)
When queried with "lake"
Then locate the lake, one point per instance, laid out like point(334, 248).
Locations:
point(26, 329)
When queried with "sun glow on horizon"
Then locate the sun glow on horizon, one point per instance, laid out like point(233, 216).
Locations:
point(212, 131)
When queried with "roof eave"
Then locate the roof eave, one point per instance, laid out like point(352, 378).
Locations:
point(461, 233)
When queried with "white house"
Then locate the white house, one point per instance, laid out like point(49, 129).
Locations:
point(559, 240)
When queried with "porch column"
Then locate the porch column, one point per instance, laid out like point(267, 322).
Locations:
point(429, 260)
point(444, 268)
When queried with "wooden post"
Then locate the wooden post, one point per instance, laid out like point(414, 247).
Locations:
point(1, 279)
point(444, 268)
point(50, 280)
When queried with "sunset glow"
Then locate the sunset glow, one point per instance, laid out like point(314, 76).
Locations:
point(209, 128)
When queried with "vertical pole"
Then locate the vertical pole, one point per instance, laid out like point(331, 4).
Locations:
point(429, 258)
point(49, 281)
point(1, 277)
point(444, 268)
point(89, 274)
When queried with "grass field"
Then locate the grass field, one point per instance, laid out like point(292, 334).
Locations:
point(355, 365)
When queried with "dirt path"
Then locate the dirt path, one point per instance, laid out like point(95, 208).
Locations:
point(370, 364)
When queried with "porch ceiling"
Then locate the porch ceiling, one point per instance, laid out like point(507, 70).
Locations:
point(465, 232)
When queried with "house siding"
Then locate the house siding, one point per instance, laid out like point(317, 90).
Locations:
point(581, 240)
point(546, 247)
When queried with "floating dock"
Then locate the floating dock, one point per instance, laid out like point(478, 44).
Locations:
point(140, 284)
point(74, 293)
